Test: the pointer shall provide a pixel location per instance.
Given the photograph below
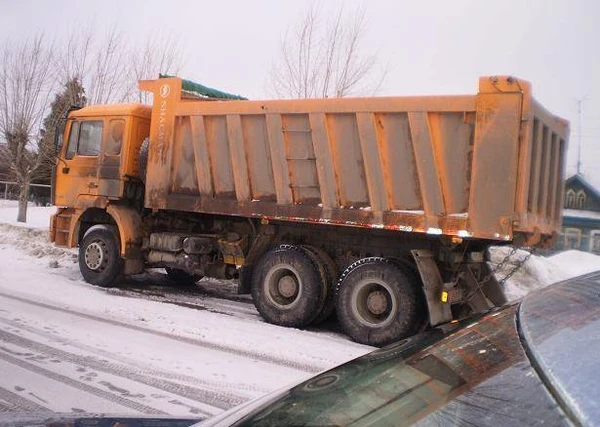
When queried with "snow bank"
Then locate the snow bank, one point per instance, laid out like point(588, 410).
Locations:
point(540, 271)
point(34, 242)
point(575, 263)
point(37, 217)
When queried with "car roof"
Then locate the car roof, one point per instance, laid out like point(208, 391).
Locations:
point(560, 328)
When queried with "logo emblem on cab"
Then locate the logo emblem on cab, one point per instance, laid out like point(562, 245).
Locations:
point(165, 90)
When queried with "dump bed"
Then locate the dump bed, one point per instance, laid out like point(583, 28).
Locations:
point(486, 166)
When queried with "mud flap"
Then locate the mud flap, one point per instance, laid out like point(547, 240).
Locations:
point(134, 266)
point(439, 312)
point(482, 296)
point(493, 290)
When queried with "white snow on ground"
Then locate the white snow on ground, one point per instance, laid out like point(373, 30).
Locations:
point(37, 217)
point(67, 346)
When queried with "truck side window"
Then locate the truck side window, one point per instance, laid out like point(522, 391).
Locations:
point(73, 135)
point(90, 138)
point(115, 137)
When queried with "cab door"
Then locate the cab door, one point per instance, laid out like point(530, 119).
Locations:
point(77, 168)
point(110, 182)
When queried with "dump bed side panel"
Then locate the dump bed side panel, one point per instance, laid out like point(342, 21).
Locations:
point(425, 164)
point(542, 160)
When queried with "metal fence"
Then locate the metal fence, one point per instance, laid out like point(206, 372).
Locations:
point(38, 193)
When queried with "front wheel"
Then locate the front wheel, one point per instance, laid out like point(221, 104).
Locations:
point(377, 302)
point(100, 262)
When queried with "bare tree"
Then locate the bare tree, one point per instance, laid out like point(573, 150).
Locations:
point(110, 67)
point(96, 71)
point(321, 60)
point(26, 86)
point(158, 55)
point(73, 58)
point(108, 70)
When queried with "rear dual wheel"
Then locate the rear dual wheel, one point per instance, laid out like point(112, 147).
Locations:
point(329, 276)
point(290, 286)
point(378, 302)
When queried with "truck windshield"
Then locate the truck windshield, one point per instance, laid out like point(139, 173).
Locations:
point(458, 380)
point(73, 135)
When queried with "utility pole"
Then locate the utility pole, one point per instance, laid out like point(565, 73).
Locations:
point(579, 102)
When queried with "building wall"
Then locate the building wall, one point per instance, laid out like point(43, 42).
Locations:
point(580, 196)
point(581, 221)
point(581, 234)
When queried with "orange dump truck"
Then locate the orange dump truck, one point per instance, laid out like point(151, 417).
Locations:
point(380, 209)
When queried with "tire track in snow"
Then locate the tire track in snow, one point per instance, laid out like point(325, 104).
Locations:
point(146, 370)
point(17, 403)
point(187, 300)
point(287, 363)
point(215, 399)
point(80, 386)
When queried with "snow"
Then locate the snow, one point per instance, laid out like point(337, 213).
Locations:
point(574, 263)
point(578, 213)
point(541, 271)
point(67, 346)
point(37, 217)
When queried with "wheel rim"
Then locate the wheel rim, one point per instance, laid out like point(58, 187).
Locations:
point(374, 303)
point(96, 255)
point(283, 286)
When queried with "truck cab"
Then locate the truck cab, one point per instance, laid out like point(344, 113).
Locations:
point(99, 151)
point(98, 162)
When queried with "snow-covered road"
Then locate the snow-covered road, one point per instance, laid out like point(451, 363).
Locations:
point(69, 347)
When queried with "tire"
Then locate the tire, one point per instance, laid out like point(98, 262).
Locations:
point(329, 282)
point(377, 303)
point(287, 287)
point(100, 261)
point(181, 277)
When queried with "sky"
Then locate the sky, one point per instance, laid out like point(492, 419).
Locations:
point(427, 47)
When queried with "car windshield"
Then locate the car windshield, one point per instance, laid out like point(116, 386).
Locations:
point(476, 376)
